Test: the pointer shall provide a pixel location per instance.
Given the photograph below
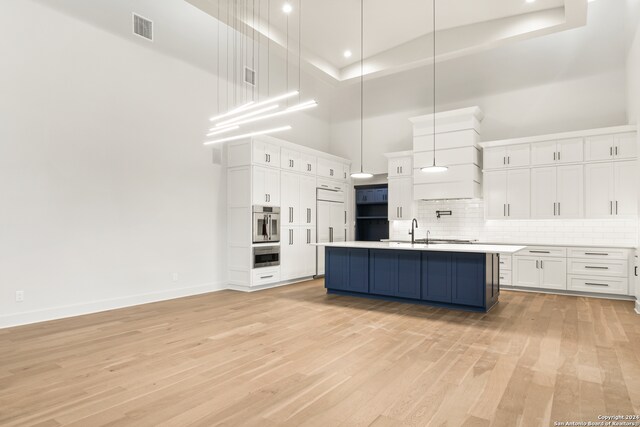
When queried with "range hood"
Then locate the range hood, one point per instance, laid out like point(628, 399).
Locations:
point(457, 134)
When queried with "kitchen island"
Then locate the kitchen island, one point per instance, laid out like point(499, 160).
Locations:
point(463, 276)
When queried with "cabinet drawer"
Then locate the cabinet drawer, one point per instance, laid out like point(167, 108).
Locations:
point(505, 262)
point(505, 278)
point(543, 251)
point(598, 268)
point(331, 185)
point(608, 285)
point(600, 254)
point(265, 276)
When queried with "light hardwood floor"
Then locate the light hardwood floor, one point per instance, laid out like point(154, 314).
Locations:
point(296, 356)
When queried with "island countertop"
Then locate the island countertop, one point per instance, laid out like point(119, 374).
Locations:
point(467, 248)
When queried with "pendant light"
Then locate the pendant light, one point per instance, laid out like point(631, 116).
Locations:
point(434, 168)
point(362, 174)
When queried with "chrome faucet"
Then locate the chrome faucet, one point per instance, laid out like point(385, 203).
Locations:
point(414, 225)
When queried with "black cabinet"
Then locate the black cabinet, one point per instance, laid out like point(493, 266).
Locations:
point(436, 276)
point(394, 273)
point(347, 269)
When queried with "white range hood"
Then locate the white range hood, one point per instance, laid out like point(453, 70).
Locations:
point(457, 134)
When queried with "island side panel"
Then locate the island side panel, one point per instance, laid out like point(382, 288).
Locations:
point(468, 279)
point(492, 280)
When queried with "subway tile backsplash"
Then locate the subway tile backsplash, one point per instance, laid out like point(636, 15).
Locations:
point(467, 222)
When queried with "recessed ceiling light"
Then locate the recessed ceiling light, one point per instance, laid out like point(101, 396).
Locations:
point(347, 54)
point(287, 8)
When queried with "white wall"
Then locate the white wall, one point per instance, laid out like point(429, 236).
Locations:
point(106, 188)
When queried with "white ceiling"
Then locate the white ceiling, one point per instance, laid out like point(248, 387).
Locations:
point(398, 34)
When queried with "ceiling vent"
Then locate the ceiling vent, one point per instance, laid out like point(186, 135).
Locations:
point(143, 27)
point(249, 76)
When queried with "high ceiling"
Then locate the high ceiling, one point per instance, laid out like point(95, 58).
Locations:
point(398, 34)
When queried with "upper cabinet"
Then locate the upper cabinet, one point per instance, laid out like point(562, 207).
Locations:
point(507, 157)
point(331, 169)
point(290, 160)
point(557, 192)
point(400, 166)
point(266, 154)
point(557, 152)
point(610, 147)
point(611, 189)
point(507, 194)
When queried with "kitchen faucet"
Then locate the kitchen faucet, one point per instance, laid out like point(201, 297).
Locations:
point(414, 222)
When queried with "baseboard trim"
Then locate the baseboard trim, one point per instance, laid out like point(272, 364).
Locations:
point(244, 288)
point(638, 307)
point(56, 313)
point(568, 293)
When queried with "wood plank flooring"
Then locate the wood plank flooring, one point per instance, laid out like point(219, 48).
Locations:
point(296, 356)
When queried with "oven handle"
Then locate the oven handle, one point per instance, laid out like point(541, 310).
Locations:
point(269, 227)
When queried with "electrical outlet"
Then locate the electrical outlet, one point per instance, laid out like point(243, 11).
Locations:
point(174, 277)
point(19, 296)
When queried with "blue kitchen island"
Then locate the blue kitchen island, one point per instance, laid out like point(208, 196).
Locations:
point(463, 276)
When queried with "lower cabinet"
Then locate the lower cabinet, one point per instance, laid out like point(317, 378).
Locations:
point(347, 269)
point(540, 272)
point(297, 253)
point(394, 273)
point(454, 278)
point(436, 277)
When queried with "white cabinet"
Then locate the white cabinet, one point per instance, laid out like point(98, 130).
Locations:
point(330, 169)
point(609, 147)
point(266, 154)
point(507, 194)
point(400, 166)
point(309, 164)
point(507, 156)
point(557, 192)
point(540, 272)
point(290, 196)
point(290, 160)
point(611, 189)
point(265, 186)
point(557, 152)
point(297, 254)
point(400, 199)
point(307, 204)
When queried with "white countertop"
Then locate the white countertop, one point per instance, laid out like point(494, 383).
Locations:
point(560, 245)
point(471, 248)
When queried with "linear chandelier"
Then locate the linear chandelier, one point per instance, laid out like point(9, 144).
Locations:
point(252, 109)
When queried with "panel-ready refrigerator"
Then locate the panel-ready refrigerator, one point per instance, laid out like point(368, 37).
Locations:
point(331, 221)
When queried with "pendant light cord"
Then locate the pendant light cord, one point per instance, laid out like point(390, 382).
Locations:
point(434, 82)
point(361, 85)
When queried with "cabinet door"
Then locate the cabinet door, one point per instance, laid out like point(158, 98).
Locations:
point(358, 270)
point(436, 276)
point(400, 166)
point(570, 150)
point(526, 271)
point(544, 153)
point(308, 163)
point(553, 273)
point(307, 256)
point(468, 279)
point(408, 274)
point(337, 268)
point(406, 201)
point(381, 195)
point(290, 198)
point(307, 207)
point(272, 186)
point(543, 193)
point(259, 190)
point(383, 270)
point(260, 156)
point(626, 188)
point(273, 155)
point(599, 147)
point(338, 226)
point(599, 190)
point(570, 191)
point(518, 194)
point(495, 194)
point(394, 196)
point(518, 155)
point(290, 160)
point(288, 253)
point(625, 145)
point(346, 172)
point(495, 158)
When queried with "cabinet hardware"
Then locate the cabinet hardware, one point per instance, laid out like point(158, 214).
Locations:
point(592, 267)
point(596, 253)
point(331, 172)
point(290, 214)
point(541, 264)
point(401, 212)
point(558, 208)
point(331, 234)
point(308, 236)
point(610, 207)
point(539, 252)
point(616, 150)
point(558, 155)
point(308, 215)
point(554, 209)
point(616, 207)
point(267, 277)
point(635, 271)
point(325, 186)
point(345, 217)
point(554, 155)
point(595, 284)
point(266, 198)
point(290, 237)
point(266, 158)
point(504, 160)
point(537, 264)
point(611, 151)
point(508, 209)
point(504, 210)
point(508, 160)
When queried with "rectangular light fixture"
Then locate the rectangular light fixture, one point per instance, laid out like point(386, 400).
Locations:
point(224, 130)
point(246, 116)
point(232, 112)
point(302, 106)
point(251, 105)
point(248, 135)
